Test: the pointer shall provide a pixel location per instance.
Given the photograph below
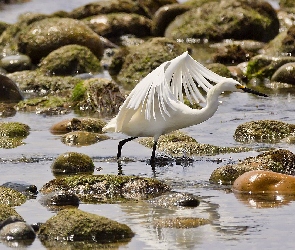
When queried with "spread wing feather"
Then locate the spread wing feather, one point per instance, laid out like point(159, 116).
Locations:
point(166, 83)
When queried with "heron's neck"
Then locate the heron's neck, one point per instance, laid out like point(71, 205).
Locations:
point(211, 106)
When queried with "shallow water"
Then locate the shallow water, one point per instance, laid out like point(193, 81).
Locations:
point(238, 222)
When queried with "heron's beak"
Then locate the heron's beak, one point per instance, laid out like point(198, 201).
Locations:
point(245, 89)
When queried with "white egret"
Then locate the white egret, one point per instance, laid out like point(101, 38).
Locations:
point(156, 107)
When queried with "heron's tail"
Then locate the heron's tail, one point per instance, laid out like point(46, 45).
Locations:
point(111, 126)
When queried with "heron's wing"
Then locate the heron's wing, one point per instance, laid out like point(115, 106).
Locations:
point(166, 84)
point(185, 73)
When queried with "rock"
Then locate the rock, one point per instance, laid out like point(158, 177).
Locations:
point(94, 125)
point(281, 161)
point(263, 131)
point(7, 110)
point(219, 69)
point(263, 66)
point(23, 187)
point(11, 197)
point(97, 95)
point(47, 105)
point(37, 84)
point(12, 134)
point(42, 37)
point(9, 90)
point(178, 144)
point(14, 129)
point(144, 58)
point(14, 63)
point(165, 15)
point(226, 19)
point(105, 7)
point(72, 162)
point(232, 54)
point(114, 25)
point(59, 200)
point(285, 74)
point(82, 138)
point(17, 231)
point(3, 27)
point(150, 7)
point(76, 225)
point(8, 213)
point(70, 60)
point(175, 200)
point(107, 188)
point(265, 181)
point(181, 222)
point(282, 44)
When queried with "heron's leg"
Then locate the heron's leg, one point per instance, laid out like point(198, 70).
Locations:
point(121, 144)
point(154, 150)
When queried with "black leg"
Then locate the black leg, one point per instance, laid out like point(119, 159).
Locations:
point(121, 144)
point(154, 151)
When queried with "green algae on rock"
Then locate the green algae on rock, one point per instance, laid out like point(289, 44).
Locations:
point(11, 197)
point(34, 81)
point(281, 161)
point(7, 211)
point(70, 60)
point(12, 134)
point(72, 162)
point(107, 188)
point(97, 95)
point(77, 225)
point(220, 20)
point(263, 131)
point(178, 144)
point(42, 37)
point(264, 66)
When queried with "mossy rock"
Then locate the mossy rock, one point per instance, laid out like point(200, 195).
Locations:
point(14, 129)
point(281, 161)
point(97, 95)
point(54, 33)
point(7, 110)
point(77, 225)
point(107, 188)
point(39, 84)
point(41, 103)
point(94, 125)
point(264, 66)
point(177, 144)
point(105, 7)
point(11, 197)
point(219, 69)
point(70, 60)
point(215, 21)
point(270, 131)
point(7, 211)
point(72, 162)
point(82, 138)
point(144, 58)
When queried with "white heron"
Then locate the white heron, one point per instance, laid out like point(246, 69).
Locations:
point(156, 106)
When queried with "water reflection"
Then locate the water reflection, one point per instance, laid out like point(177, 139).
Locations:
point(265, 200)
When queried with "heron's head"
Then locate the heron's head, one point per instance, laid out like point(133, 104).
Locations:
point(232, 85)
